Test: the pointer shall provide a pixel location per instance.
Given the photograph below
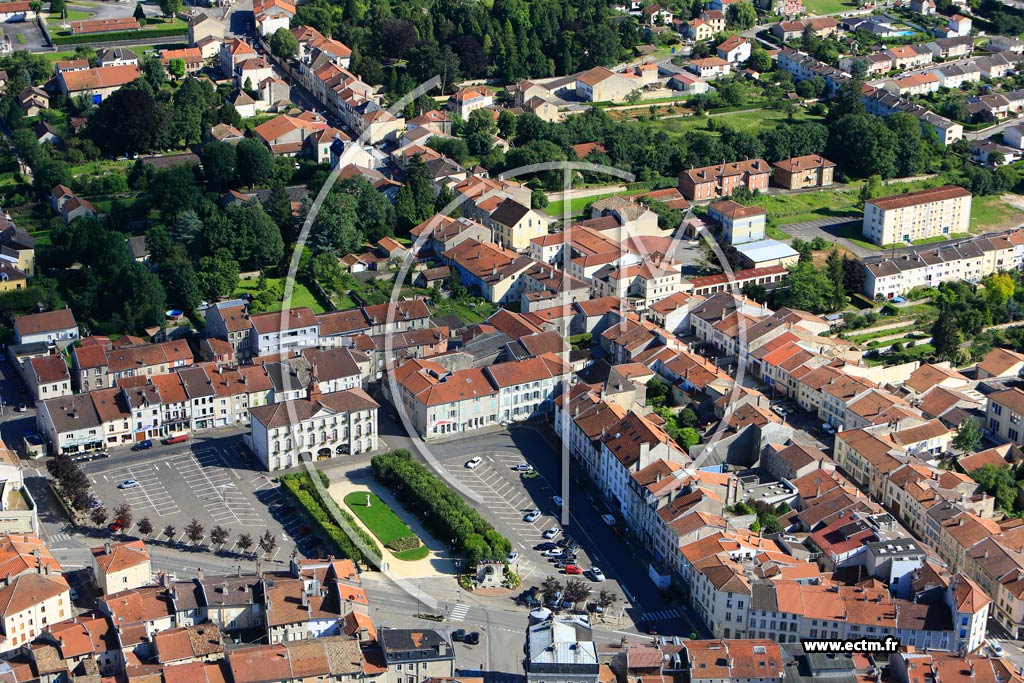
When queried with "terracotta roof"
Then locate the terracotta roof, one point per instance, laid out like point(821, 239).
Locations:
point(50, 321)
point(902, 201)
point(121, 556)
point(99, 78)
point(30, 589)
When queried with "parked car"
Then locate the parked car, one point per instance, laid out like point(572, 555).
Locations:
point(115, 526)
point(995, 649)
point(573, 569)
point(557, 500)
point(142, 445)
point(531, 516)
point(551, 533)
point(128, 484)
point(472, 638)
point(474, 463)
point(780, 411)
point(554, 552)
point(545, 546)
point(175, 438)
point(524, 467)
point(596, 574)
point(827, 428)
point(512, 557)
point(21, 408)
point(74, 593)
point(608, 519)
point(458, 635)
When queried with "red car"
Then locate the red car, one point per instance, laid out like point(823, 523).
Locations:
point(573, 569)
point(115, 526)
point(177, 438)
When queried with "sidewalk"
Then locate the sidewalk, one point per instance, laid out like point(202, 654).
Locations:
point(438, 563)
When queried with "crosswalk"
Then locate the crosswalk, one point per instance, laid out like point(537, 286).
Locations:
point(459, 612)
point(661, 615)
point(57, 538)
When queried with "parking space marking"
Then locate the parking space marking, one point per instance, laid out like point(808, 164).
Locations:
point(204, 473)
point(150, 493)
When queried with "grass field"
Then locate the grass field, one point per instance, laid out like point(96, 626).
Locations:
point(21, 39)
point(576, 206)
point(72, 15)
point(991, 212)
point(748, 121)
point(828, 6)
point(383, 523)
point(301, 296)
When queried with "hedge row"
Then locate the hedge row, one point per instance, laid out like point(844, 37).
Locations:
point(114, 36)
point(302, 489)
point(442, 510)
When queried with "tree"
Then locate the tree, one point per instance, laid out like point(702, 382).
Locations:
point(98, 515)
point(140, 14)
point(606, 599)
point(479, 132)
point(245, 542)
point(741, 15)
point(125, 122)
point(219, 535)
point(549, 587)
point(279, 205)
point(253, 161)
point(998, 482)
point(415, 201)
point(688, 438)
point(760, 60)
point(219, 159)
point(283, 44)
point(181, 283)
point(169, 7)
point(968, 436)
point(145, 526)
point(57, 7)
point(123, 515)
point(507, 124)
point(999, 288)
point(170, 532)
point(218, 274)
point(947, 337)
point(267, 543)
point(834, 273)
point(194, 531)
point(249, 231)
point(176, 67)
point(576, 591)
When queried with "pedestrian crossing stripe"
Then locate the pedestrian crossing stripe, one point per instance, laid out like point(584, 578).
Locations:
point(459, 612)
point(663, 614)
point(59, 537)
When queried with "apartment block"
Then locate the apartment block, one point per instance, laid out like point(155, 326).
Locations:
point(917, 215)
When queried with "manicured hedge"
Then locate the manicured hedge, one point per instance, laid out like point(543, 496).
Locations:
point(443, 511)
point(114, 36)
point(301, 487)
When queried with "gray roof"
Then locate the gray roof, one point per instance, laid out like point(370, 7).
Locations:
point(562, 644)
point(69, 413)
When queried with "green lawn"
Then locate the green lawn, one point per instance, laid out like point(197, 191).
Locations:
point(576, 205)
point(808, 206)
point(101, 167)
point(941, 238)
point(470, 313)
point(21, 39)
point(384, 523)
point(748, 121)
point(72, 15)
point(301, 296)
point(992, 211)
point(828, 6)
point(776, 234)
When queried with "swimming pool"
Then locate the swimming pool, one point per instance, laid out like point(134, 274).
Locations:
point(904, 33)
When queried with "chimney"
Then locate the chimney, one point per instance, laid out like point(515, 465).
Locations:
point(305, 598)
point(106, 548)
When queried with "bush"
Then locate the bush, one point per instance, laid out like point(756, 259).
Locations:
point(404, 543)
point(148, 34)
point(300, 486)
point(442, 510)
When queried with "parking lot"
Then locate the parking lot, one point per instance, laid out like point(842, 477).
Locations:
point(210, 482)
point(503, 492)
